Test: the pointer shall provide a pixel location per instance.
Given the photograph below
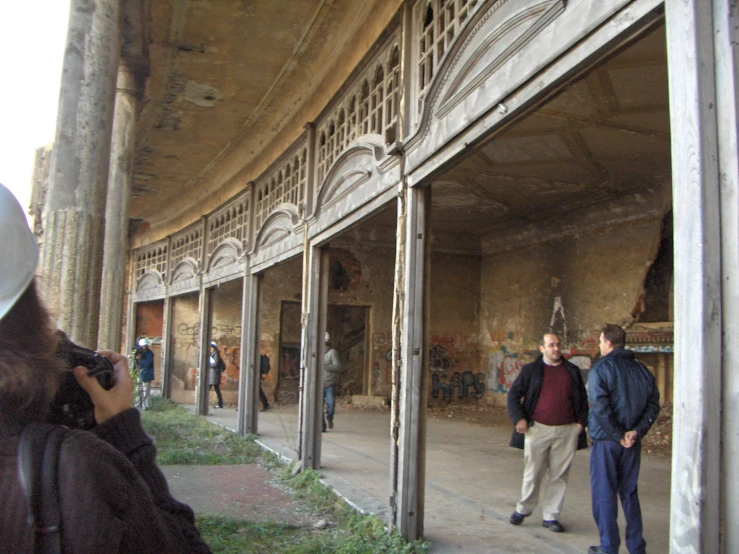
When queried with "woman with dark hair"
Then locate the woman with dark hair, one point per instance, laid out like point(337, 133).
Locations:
point(111, 495)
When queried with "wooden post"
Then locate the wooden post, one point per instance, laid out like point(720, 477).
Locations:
point(166, 349)
point(695, 517)
point(726, 37)
point(311, 394)
point(249, 378)
point(201, 386)
point(412, 360)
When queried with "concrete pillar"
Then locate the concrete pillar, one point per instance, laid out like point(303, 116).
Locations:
point(702, 64)
point(75, 204)
point(250, 375)
point(313, 348)
point(120, 180)
point(409, 376)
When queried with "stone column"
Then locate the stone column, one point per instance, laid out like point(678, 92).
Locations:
point(75, 205)
point(120, 179)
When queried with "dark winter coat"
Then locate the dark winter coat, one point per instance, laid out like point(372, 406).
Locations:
point(527, 386)
point(623, 397)
point(215, 367)
point(146, 364)
point(112, 496)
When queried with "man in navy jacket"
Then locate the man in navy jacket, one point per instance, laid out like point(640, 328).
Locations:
point(548, 406)
point(624, 403)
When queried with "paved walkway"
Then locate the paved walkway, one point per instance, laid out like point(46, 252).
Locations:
point(473, 481)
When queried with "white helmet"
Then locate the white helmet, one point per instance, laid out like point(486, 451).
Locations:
point(18, 251)
point(328, 338)
point(214, 344)
point(143, 342)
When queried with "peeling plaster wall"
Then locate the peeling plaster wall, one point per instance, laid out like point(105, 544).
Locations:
point(454, 356)
point(370, 268)
point(226, 331)
point(280, 283)
point(185, 333)
point(572, 285)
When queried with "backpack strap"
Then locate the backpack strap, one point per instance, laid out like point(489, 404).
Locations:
point(38, 464)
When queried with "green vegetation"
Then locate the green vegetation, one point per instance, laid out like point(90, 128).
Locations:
point(184, 438)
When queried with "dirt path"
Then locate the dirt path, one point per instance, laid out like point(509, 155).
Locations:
point(245, 492)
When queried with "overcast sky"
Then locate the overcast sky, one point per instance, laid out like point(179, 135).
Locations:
point(32, 35)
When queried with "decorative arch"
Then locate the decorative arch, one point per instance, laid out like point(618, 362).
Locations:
point(186, 268)
point(227, 252)
point(280, 224)
point(356, 165)
point(150, 280)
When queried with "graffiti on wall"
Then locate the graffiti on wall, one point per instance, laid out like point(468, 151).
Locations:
point(465, 383)
point(504, 367)
point(446, 383)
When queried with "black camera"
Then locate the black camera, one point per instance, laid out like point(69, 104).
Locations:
point(72, 405)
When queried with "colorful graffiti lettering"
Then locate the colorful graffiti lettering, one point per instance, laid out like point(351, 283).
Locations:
point(503, 368)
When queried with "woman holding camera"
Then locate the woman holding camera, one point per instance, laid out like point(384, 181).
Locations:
point(112, 497)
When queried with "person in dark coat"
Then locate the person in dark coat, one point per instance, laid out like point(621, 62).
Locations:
point(548, 406)
point(216, 366)
point(145, 358)
point(624, 403)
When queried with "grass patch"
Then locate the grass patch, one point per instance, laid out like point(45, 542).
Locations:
point(362, 535)
point(184, 438)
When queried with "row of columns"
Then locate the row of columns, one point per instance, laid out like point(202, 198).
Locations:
point(85, 216)
point(702, 54)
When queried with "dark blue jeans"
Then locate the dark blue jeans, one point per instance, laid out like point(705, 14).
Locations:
point(614, 470)
point(329, 399)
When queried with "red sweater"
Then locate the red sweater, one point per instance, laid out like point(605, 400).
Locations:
point(554, 405)
point(114, 499)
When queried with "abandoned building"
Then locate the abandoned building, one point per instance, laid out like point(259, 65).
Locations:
point(432, 182)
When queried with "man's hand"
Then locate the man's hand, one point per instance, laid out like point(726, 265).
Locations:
point(522, 426)
point(108, 403)
point(629, 439)
point(579, 427)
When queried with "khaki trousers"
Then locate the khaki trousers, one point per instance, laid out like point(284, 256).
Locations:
point(547, 449)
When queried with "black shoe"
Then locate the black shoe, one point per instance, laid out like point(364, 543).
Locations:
point(553, 525)
point(265, 408)
point(596, 550)
point(517, 519)
point(330, 424)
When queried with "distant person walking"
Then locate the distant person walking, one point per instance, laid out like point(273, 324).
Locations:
point(548, 405)
point(624, 403)
point(331, 369)
point(145, 358)
point(264, 368)
point(216, 367)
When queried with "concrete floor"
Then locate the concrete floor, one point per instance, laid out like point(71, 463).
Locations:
point(473, 481)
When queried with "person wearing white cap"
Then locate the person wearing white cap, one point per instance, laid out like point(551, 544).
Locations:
point(331, 369)
point(216, 366)
point(106, 491)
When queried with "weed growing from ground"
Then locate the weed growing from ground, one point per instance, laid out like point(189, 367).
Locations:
point(186, 439)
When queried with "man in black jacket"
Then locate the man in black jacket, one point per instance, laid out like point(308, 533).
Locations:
point(624, 404)
point(548, 405)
